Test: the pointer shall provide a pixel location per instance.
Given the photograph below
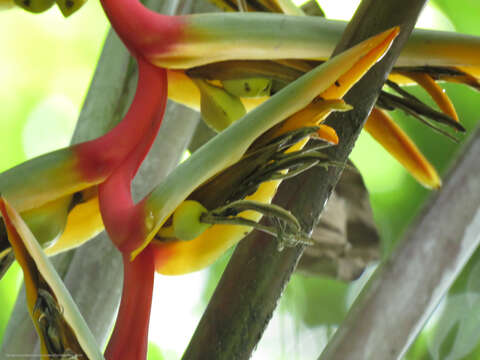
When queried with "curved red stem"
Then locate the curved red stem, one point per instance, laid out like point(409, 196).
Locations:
point(130, 337)
point(120, 153)
point(101, 156)
point(142, 30)
point(116, 204)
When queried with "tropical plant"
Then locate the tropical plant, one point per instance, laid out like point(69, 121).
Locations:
point(267, 96)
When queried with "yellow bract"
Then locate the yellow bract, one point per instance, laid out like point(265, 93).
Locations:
point(83, 223)
point(383, 129)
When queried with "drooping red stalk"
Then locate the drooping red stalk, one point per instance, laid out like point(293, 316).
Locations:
point(130, 336)
point(103, 155)
point(128, 145)
point(116, 203)
point(142, 30)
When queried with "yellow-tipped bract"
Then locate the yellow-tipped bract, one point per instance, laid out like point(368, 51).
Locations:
point(383, 129)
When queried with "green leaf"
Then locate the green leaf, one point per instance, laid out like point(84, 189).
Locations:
point(462, 13)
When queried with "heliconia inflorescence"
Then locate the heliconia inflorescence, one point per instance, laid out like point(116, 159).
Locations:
point(266, 96)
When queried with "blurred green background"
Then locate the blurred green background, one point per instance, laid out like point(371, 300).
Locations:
point(46, 63)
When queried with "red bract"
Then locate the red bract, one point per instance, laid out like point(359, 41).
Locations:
point(132, 140)
point(130, 336)
point(139, 29)
point(118, 213)
point(141, 126)
point(105, 154)
point(142, 30)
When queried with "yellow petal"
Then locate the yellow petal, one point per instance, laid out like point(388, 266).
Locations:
point(181, 257)
point(381, 42)
point(470, 70)
point(400, 79)
point(471, 76)
point(182, 89)
point(83, 223)
point(312, 115)
point(327, 134)
point(383, 129)
point(436, 92)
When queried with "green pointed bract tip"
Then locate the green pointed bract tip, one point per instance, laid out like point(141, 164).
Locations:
point(34, 260)
point(48, 222)
point(228, 147)
point(68, 7)
point(43, 179)
point(218, 107)
point(265, 36)
point(35, 6)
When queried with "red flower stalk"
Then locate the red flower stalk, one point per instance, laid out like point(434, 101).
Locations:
point(135, 135)
point(142, 30)
point(118, 213)
point(130, 336)
point(116, 204)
